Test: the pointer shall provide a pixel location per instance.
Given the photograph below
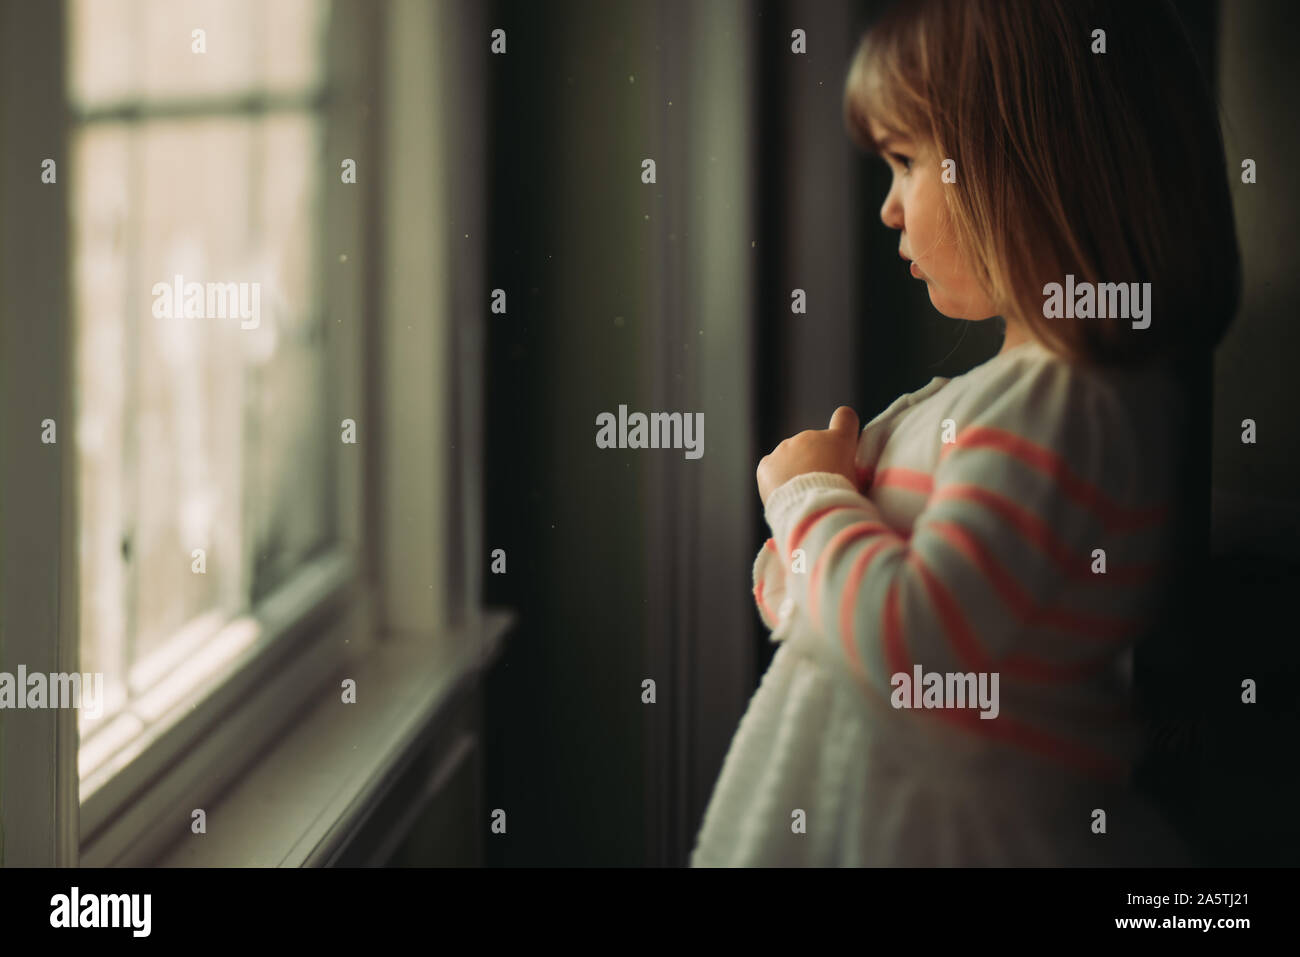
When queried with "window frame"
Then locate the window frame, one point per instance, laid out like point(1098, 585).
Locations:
point(409, 520)
point(38, 584)
point(321, 615)
point(268, 623)
point(307, 627)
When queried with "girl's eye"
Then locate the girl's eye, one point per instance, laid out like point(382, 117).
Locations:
point(901, 160)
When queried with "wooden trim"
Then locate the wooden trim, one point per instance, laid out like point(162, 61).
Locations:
point(452, 761)
point(295, 649)
point(187, 762)
point(340, 761)
point(38, 583)
point(414, 422)
point(251, 104)
point(701, 620)
point(464, 60)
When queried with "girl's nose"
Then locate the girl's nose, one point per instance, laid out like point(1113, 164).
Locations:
point(891, 211)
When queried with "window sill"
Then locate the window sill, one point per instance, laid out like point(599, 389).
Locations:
point(302, 800)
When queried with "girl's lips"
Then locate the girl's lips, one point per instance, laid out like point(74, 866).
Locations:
point(915, 271)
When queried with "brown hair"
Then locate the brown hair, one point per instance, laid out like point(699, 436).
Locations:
point(1108, 166)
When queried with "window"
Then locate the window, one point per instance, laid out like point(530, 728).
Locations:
point(202, 534)
point(206, 441)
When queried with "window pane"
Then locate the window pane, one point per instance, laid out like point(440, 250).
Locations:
point(101, 45)
point(195, 187)
point(290, 487)
point(295, 33)
point(232, 45)
point(146, 49)
point(100, 224)
point(205, 456)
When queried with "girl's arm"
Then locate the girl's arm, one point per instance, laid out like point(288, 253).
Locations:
point(1001, 572)
point(769, 571)
point(769, 585)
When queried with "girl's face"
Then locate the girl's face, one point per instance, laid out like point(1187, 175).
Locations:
point(915, 206)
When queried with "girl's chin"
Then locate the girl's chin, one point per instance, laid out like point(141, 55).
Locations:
point(952, 310)
point(941, 303)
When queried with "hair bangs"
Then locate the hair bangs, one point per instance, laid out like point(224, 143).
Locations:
point(885, 87)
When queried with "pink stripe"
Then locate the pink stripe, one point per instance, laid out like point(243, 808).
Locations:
point(1004, 728)
point(758, 597)
point(839, 540)
point(960, 636)
point(806, 523)
point(1021, 602)
point(849, 604)
point(1035, 531)
point(910, 479)
point(1116, 517)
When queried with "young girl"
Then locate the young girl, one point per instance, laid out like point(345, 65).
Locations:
point(957, 589)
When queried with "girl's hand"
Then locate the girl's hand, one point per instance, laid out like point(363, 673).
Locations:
point(814, 450)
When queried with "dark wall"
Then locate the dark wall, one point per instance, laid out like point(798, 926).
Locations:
point(564, 733)
point(1257, 83)
point(1242, 780)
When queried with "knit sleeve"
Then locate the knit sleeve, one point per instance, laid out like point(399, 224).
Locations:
point(1001, 572)
point(769, 585)
point(769, 572)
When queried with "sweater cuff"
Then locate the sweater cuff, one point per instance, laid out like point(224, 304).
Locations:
point(788, 501)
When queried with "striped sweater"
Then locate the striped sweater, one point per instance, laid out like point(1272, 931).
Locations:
point(1013, 520)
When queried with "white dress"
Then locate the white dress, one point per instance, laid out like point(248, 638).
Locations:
point(820, 773)
point(880, 789)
